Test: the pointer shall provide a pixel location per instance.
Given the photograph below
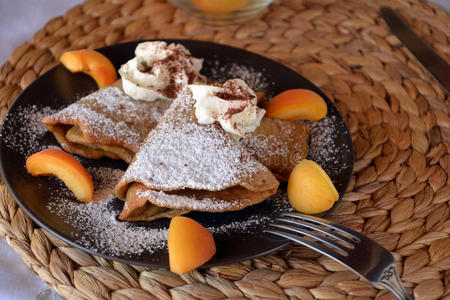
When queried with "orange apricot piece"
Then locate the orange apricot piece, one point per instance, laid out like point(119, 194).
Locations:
point(221, 6)
point(90, 62)
point(190, 245)
point(297, 104)
point(55, 162)
point(310, 189)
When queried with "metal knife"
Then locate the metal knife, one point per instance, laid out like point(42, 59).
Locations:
point(435, 64)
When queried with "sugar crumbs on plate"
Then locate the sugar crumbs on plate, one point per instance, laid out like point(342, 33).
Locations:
point(322, 145)
point(28, 130)
point(278, 204)
point(98, 220)
point(256, 80)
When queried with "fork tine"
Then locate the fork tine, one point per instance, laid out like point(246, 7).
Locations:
point(354, 234)
point(339, 237)
point(319, 248)
point(312, 235)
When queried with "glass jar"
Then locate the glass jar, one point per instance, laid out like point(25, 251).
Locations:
point(221, 13)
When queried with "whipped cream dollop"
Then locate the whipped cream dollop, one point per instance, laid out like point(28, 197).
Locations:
point(233, 105)
point(160, 71)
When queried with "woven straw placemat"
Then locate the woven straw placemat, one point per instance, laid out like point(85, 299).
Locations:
point(397, 114)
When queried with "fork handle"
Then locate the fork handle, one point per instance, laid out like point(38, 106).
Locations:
point(391, 281)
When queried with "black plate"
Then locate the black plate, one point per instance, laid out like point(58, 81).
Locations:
point(58, 87)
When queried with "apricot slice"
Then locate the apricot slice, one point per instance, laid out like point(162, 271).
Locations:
point(190, 245)
point(90, 62)
point(221, 6)
point(310, 189)
point(297, 104)
point(55, 162)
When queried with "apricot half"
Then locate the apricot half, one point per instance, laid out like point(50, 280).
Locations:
point(310, 189)
point(190, 245)
point(221, 6)
point(55, 162)
point(90, 62)
point(297, 104)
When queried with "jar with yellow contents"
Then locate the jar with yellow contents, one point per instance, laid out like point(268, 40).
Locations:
point(220, 13)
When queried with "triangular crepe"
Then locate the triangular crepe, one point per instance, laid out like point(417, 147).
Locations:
point(106, 123)
point(185, 166)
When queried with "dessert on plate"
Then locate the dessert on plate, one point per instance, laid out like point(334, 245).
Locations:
point(184, 165)
point(192, 144)
point(114, 121)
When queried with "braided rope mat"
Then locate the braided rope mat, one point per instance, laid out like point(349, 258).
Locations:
point(398, 116)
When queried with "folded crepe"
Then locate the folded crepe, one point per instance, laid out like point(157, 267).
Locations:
point(110, 123)
point(106, 123)
point(279, 145)
point(184, 166)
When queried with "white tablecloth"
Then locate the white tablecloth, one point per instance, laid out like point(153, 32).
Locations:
point(19, 19)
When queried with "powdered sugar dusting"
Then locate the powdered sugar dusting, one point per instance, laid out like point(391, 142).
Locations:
point(255, 79)
point(240, 226)
point(277, 204)
point(28, 130)
point(101, 229)
point(323, 148)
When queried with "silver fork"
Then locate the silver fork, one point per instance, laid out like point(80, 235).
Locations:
point(357, 252)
